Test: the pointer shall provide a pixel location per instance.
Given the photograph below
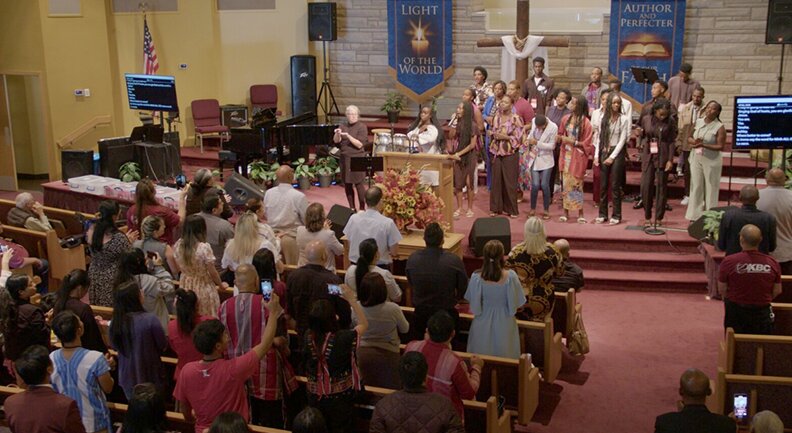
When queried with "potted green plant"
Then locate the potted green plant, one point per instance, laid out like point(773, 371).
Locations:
point(712, 221)
point(263, 173)
point(394, 104)
point(326, 168)
point(129, 172)
point(303, 173)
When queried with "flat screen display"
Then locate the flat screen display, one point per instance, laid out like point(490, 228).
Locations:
point(152, 92)
point(762, 122)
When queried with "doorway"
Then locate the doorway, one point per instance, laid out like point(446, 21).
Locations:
point(24, 133)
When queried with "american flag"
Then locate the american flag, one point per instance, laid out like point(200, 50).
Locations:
point(150, 63)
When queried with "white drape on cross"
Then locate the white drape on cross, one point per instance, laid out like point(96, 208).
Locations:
point(510, 54)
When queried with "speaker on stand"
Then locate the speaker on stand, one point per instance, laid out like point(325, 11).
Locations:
point(322, 26)
point(303, 81)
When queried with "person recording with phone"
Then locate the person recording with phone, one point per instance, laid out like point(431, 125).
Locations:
point(657, 158)
point(245, 317)
point(693, 415)
point(308, 284)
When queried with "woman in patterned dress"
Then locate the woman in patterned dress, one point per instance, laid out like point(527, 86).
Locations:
point(506, 140)
point(107, 244)
point(576, 134)
point(196, 261)
point(536, 263)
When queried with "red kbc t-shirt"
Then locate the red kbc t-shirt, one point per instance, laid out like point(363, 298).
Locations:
point(750, 276)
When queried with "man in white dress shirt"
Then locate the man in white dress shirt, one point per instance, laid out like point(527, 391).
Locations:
point(285, 209)
point(372, 224)
point(777, 201)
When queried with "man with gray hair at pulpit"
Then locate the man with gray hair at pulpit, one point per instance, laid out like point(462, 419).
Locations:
point(285, 208)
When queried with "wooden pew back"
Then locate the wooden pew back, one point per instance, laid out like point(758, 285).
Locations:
point(764, 393)
point(783, 318)
point(760, 355)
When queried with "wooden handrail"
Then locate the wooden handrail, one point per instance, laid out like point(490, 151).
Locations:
point(83, 129)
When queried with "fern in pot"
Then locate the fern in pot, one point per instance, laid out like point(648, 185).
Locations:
point(129, 172)
point(326, 169)
point(303, 173)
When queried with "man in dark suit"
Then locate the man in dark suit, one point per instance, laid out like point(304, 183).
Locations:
point(61, 415)
point(694, 417)
point(538, 90)
point(734, 220)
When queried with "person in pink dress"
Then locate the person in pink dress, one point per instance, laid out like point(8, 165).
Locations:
point(196, 261)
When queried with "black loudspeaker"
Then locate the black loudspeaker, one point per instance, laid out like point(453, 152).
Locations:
point(779, 22)
point(303, 81)
point(339, 217)
point(114, 152)
point(696, 228)
point(487, 229)
point(242, 189)
point(76, 163)
point(322, 22)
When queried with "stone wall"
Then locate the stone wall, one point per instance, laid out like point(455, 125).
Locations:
point(724, 41)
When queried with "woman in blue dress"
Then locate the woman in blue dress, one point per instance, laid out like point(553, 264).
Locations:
point(494, 294)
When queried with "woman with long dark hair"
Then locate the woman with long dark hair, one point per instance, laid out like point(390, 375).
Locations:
point(462, 148)
point(575, 134)
point(151, 230)
point(21, 323)
point(426, 136)
point(264, 262)
point(196, 261)
point(367, 262)
point(138, 338)
point(610, 156)
point(146, 412)
point(657, 158)
point(73, 288)
point(146, 204)
point(330, 364)
point(378, 351)
point(229, 422)
point(495, 295)
point(106, 245)
point(154, 281)
point(180, 329)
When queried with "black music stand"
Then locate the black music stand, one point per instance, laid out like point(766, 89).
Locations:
point(645, 76)
point(368, 164)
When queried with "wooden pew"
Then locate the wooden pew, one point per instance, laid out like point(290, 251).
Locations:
point(47, 246)
point(565, 312)
point(759, 355)
point(118, 411)
point(764, 393)
point(783, 318)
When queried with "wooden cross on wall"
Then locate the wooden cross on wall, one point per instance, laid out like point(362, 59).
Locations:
point(523, 17)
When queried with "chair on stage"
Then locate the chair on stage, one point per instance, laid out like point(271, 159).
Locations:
point(264, 97)
point(207, 119)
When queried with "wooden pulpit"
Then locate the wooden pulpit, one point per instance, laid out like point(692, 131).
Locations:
point(443, 164)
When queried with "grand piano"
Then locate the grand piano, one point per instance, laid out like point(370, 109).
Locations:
point(278, 139)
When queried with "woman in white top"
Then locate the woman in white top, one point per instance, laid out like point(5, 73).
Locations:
point(367, 262)
point(609, 155)
point(706, 163)
point(317, 227)
point(241, 249)
point(256, 206)
point(542, 141)
point(427, 137)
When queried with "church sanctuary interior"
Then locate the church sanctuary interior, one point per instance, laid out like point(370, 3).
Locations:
point(482, 216)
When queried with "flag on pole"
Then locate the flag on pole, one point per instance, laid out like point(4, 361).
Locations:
point(150, 63)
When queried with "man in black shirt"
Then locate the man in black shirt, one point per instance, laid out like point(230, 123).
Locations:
point(309, 283)
point(573, 274)
point(734, 219)
point(693, 416)
point(438, 280)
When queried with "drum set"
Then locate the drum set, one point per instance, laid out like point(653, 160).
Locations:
point(386, 141)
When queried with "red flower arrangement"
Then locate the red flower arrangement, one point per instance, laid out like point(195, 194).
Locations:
point(407, 201)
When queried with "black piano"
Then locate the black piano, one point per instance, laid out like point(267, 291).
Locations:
point(283, 140)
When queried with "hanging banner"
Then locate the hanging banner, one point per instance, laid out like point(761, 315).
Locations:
point(420, 46)
point(646, 34)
